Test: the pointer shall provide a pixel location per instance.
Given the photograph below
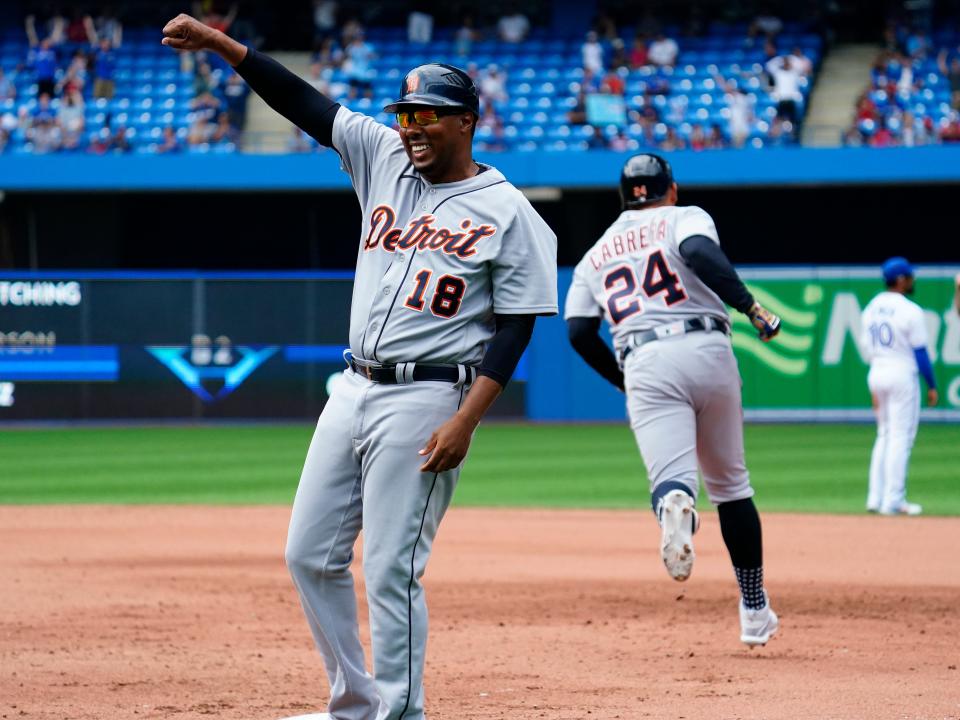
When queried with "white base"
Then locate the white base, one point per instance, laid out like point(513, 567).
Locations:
point(313, 716)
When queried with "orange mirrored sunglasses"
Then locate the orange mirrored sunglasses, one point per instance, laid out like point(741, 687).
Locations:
point(420, 117)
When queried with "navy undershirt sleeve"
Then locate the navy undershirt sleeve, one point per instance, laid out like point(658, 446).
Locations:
point(584, 335)
point(295, 99)
point(511, 338)
point(713, 267)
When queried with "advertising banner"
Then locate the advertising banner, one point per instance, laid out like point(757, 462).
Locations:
point(813, 370)
point(174, 345)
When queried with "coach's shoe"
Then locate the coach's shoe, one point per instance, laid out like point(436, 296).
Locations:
point(757, 626)
point(907, 508)
point(678, 522)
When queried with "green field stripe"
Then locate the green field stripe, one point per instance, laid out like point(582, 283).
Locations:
point(796, 468)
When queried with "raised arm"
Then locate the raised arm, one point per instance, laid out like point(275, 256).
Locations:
point(30, 26)
point(282, 90)
point(90, 29)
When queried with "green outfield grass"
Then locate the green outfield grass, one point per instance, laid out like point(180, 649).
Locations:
point(805, 468)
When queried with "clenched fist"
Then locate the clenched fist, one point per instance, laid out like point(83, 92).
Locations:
point(187, 33)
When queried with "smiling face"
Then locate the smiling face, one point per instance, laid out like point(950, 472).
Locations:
point(440, 151)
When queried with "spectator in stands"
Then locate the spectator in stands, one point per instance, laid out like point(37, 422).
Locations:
point(866, 109)
point(75, 78)
point(209, 14)
point(351, 29)
point(514, 26)
point(223, 131)
point(71, 119)
point(716, 140)
point(672, 141)
point(663, 51)
point(54, 30)
point(200, 130)
point(619, 142)
point(8, 88)
point(950, 132)
point(420, 23)
point(104, 70)
point(799, 60)
point(44, 109)
point(950, 71)
point(358, 65)
point(589, 82)
point(493, 86)
point(618, 57)
point(741, 114)
point(591, 53)
point(324, 20)
point(882, 137)
point(605, 27)
point(914, 131)
point(465, 36)
point(698, 138)
point(99, 142)
point(44, 61)
point(578, 113)
point(4, 138)
point(766, 24)
point(497, 141)
point(169, 144)
point(613, 83)
point(120, 142)
point(235, 94)
point(205, 83)
point(106, 25)
point(786, 89)
point(918, 45)
point(44, 132)
point(638, 53)
point(76, 31)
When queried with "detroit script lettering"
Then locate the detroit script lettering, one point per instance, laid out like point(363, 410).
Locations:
point(420, 233)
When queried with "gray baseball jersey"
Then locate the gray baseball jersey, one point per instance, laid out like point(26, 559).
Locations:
point(683, 393)
point(635, 277)
point(436, 261)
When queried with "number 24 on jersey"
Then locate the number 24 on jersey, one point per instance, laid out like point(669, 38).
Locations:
point(621, 287)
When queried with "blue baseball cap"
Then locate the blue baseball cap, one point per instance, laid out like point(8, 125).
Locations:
point(895, 267)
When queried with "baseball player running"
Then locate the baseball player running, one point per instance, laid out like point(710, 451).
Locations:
point(453, 266)
point(895, 338)
point(660, 279)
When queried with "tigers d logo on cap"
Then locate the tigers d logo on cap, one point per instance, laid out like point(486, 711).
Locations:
point(413, 82)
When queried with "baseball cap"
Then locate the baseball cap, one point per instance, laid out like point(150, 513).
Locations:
point(895, 267)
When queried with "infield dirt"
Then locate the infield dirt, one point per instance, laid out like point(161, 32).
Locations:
point(188, 612)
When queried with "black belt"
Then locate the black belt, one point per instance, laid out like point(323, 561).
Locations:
point(671, 329)
point(403, 373)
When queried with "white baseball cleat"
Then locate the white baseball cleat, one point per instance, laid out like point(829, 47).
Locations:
point(678, 522)
point(907, 508)
point(757, 626)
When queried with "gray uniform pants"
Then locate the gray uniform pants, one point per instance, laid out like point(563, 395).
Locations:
point(683, 399)
point(362, 472)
